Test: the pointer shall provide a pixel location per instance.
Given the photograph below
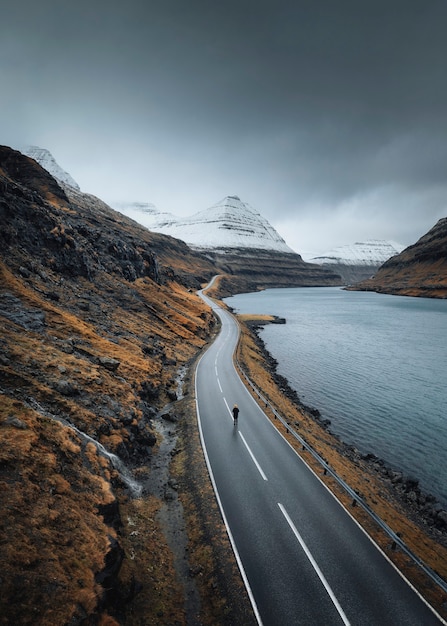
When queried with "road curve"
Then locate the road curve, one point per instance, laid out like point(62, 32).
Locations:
point(303, 558)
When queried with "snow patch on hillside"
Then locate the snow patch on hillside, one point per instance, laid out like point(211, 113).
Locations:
point(48, 162)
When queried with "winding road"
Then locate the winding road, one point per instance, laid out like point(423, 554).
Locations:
point(303, 558)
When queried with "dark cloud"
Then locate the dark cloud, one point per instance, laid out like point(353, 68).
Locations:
point(330, 118)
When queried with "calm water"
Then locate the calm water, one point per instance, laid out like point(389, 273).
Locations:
point(375, 365)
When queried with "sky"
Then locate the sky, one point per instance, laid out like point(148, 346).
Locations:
point(329, 117)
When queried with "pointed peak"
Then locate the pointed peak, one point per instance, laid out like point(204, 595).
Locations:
point(49, 163)
point(230, 223)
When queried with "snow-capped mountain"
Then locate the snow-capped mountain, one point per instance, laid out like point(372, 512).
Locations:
point(358, 261)
point(48, 162)
point(370, 252)
point(229, 224)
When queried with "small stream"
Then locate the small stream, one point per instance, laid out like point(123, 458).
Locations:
point(134, 487)
point(159, 484)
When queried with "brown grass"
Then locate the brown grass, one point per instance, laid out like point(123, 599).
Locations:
point(53, 541)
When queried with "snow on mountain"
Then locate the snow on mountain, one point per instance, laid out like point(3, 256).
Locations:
point(230, 223)
point(145, 213)
point(48, 162)
point(371, 252)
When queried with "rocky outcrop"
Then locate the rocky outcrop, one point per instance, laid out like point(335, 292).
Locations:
point(419, 270)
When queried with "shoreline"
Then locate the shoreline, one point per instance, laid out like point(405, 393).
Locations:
point(414, 516)
point(402, 482)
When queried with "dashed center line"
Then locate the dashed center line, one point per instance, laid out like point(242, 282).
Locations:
point(315, 565)
point(253, 457)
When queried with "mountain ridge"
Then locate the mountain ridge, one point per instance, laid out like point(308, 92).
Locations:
point(368, 252)
point(49, 163)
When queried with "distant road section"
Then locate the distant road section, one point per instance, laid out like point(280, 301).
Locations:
point(303, 558)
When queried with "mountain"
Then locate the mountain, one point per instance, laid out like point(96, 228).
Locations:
point(248, 251)
point(358, 261)
point(237, 240)
point(419, 270)
point(230, 223)
point(48, 162)
point(98, 319)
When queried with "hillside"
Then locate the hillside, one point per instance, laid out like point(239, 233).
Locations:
point(99, 319)
point(419, 270)
point(235, 237)
point(245, 270)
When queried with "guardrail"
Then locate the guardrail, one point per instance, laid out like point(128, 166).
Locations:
point(356, 499)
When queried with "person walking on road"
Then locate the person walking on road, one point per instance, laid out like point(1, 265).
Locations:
point(235, 413)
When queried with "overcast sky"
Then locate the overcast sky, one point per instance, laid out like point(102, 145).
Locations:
point(329, 117)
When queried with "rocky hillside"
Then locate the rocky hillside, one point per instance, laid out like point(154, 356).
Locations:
point(419, 270)
point(98, 318)
point(234, 236)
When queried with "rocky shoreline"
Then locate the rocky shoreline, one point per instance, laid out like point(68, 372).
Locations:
point(422, 508)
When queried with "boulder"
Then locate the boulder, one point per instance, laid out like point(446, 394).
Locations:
point(109, 363)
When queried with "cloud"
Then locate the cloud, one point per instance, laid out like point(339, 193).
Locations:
point(317, 114)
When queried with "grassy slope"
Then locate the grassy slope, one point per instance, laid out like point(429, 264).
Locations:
point(52, 484)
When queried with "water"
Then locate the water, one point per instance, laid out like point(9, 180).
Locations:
point(135, 488)
point(374, 364)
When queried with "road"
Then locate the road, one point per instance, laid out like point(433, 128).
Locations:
point(303, 558)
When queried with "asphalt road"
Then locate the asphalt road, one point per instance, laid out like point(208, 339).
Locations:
point(303, 558)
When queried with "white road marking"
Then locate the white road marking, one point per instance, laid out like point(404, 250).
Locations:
point(315, 565)
point(253, 457)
